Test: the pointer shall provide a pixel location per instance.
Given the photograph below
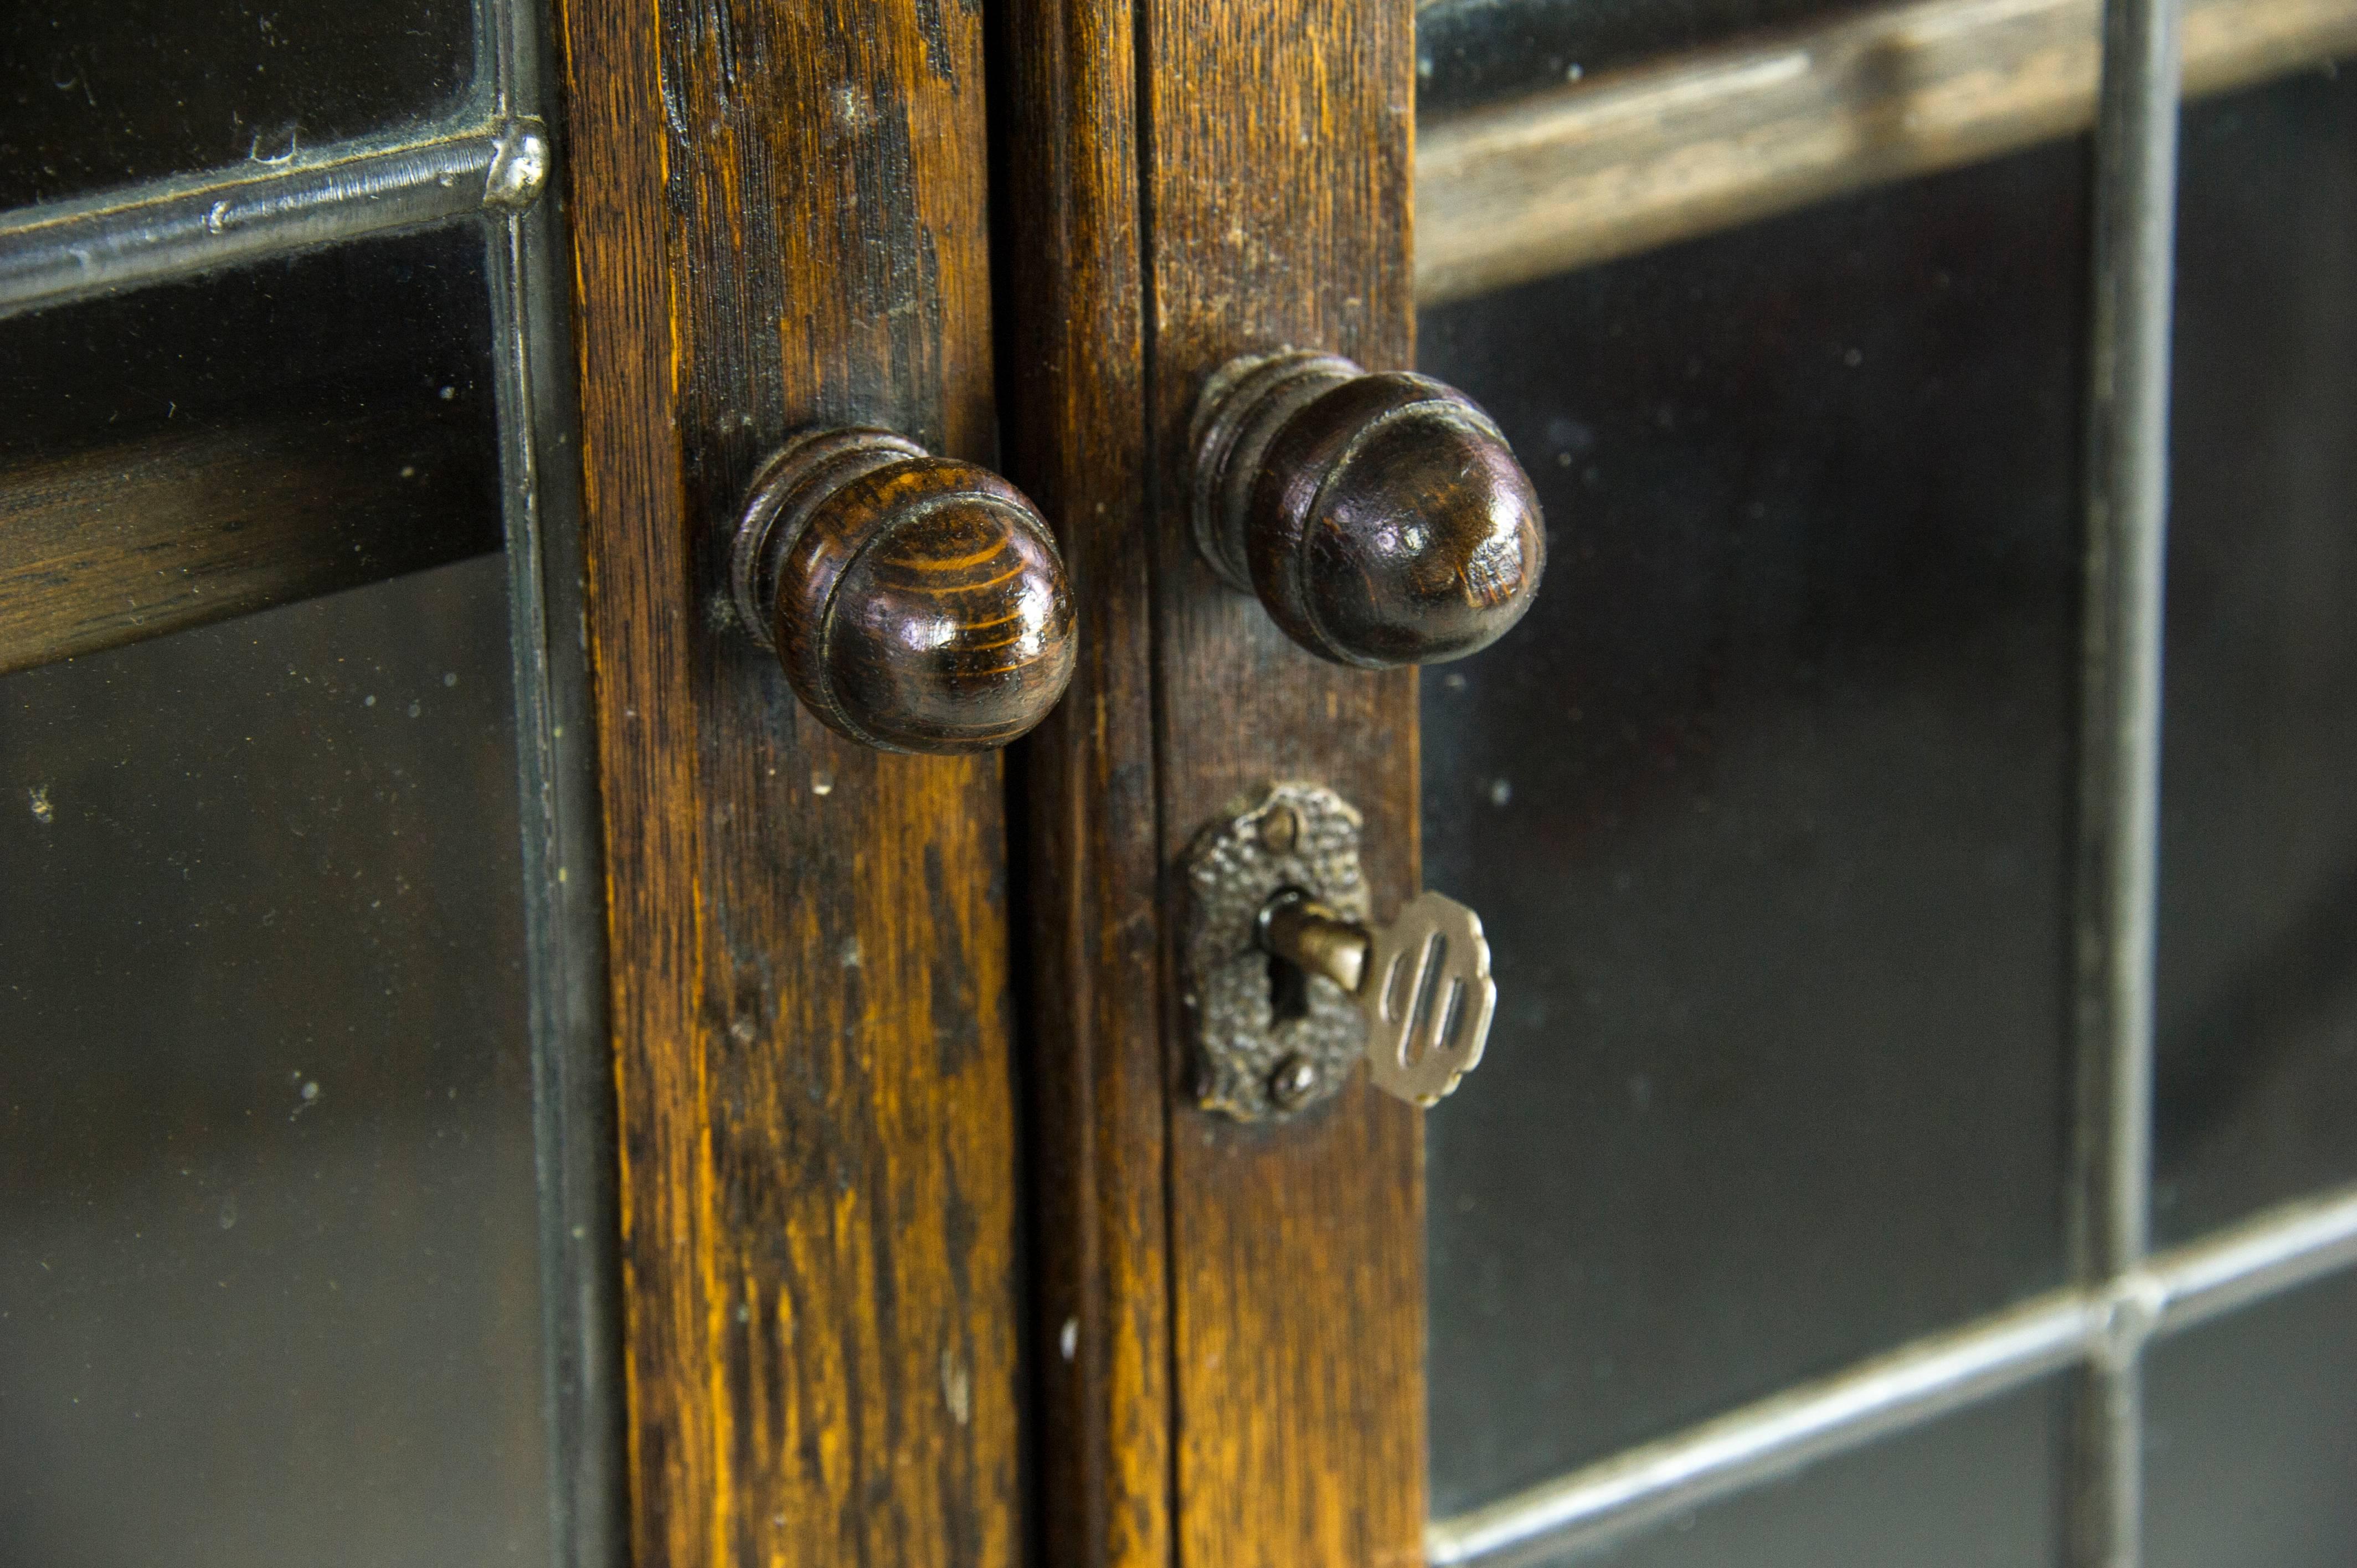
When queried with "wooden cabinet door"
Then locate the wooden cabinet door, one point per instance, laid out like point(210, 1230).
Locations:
point(1229, 1319)
point(1811, 811)
point(490, 1071)
point(779, 220)
point(535, 289)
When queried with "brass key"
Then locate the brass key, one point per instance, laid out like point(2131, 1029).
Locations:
point(1422, 983)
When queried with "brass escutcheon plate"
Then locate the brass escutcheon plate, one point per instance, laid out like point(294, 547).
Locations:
point(1261, 1057)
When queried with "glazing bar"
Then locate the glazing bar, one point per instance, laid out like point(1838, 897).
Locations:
point(1698, 142)
point(2128, 503)
point(1589, 1508)
point(2275, 1251)
point(2278, 1252)
point(56, 253)
point(572, 1086)
point(2127, 506)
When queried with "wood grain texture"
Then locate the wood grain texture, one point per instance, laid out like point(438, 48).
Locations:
point(778, 222)
point(112, 546)
point(1380, 518)
point(1701, 142)
point(1072, 312)
point(1281, 136)
point(916, 603)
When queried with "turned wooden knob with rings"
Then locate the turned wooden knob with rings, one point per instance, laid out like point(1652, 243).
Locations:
point(1380, 517)
point(917, 603)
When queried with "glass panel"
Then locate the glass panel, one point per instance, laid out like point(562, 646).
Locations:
point(2256, 1094)
point(94, 96)
point(2250, 1437)
point(1979, 1488)
point(1767, 809)
point(268, 1259)
point(391, 325)
point(183, 452)
point(1472, 51)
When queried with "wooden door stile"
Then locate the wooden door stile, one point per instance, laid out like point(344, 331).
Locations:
point(1073, 314)
point(1278, 196)
point(777, 217)
point(1270, 146)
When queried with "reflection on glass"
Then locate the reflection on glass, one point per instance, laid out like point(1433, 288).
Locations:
point(2256, 1095)
point(196, 450)
point(396, 328)
point(1767, 809)
point(1979, 1488)
point(269, 1290)
point(2250, 1437)
point(1473, 51)
point(97, 96)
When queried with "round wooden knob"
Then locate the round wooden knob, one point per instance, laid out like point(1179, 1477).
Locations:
point(1380, 518)
point(917, 603)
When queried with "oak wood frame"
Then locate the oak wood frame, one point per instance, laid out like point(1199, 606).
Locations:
point(1072, 298)
point(777, 221)
point(1231, 1325)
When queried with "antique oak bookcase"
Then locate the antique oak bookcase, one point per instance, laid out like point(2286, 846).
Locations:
point(498, 1064)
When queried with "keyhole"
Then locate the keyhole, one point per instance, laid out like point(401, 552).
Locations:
point(1288, 993)
point(1288, 983)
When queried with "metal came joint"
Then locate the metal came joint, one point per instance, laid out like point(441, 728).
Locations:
point(2127, 1311)
point(519, 170)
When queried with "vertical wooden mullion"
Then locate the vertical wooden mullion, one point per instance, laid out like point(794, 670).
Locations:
point(1279, 194)
point(778, 219)
point(1271, 142)
point(1075, 431)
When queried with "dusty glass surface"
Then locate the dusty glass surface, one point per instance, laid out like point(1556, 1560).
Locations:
point(1472, 51)
point(1977, 1489)
point(2250, 1437)
point(349, 340)
point(1766, 808)
point(2256, 1091)
point(338, 406)
point(269, 1287)
point(94, 96)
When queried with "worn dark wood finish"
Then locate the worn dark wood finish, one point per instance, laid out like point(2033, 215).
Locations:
point(1277, 201)
point(777, 222)
point(1071, 317)
point(1231, 1316)
point(917, 603)
point(1382, 519)
point(107, 547)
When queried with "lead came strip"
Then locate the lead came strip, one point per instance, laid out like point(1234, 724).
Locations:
point(178, 228)
point(573, 1091)
point(2119, 743)
point(2281, 1250)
